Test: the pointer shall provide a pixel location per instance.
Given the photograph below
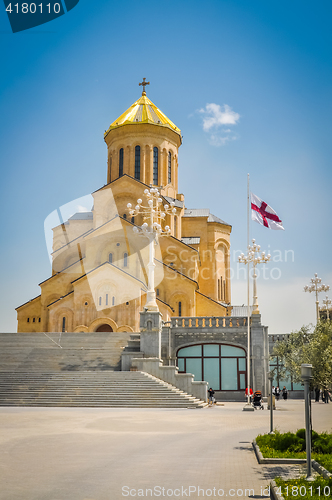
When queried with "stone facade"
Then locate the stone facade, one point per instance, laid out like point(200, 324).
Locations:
point(99, 276)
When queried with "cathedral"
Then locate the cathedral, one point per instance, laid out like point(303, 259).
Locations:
point(139, 264)
point(99, 264)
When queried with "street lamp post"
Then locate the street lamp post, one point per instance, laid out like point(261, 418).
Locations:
point(306, 375)
point(317, 288)
point(270, 377)
point(254, 258)
point(154, 214)
point(327, 302)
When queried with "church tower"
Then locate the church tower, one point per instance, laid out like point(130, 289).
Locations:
point(99, 264)
point(143, 143)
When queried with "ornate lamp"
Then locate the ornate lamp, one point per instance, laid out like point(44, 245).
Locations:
point(327, 303)
point(317, 288)
point(154, 214)
point(255, 258)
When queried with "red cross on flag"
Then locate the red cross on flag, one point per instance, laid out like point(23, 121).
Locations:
point(263, 214)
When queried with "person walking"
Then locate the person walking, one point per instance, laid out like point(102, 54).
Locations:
point(326, 396)
point(317, 394)
point(284, 393)
point(277, 391)
point(211, 398)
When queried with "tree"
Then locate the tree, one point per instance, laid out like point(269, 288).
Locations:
point(305, 346)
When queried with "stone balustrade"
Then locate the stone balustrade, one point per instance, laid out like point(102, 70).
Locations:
point(201, 322)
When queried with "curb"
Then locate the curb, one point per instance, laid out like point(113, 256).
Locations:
point(274, 495)
point(321, 470)
point(262, 460)
point(315, 465)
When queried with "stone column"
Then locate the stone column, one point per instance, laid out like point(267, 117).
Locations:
point(150, 333)
point(143, 164)
point(259, 342)
point(131, 169)
point(126, 160)
point(109, 166)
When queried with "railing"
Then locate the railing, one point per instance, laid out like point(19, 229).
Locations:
point(241, 310)
point(209, 322)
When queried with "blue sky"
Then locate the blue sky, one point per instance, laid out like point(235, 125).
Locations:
point(268, 62)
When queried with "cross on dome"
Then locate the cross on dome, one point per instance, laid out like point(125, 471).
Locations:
point(144, 83)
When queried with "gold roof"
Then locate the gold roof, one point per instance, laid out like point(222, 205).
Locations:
point(143, 111)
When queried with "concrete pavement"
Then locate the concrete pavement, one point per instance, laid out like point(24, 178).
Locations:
point(112, 454)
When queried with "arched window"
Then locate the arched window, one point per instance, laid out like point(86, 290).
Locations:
point(169, 167)
point(121, 162)
point(137, 162)
point(125, 260)
point(100, 301)
point(110, 258)
point(180, 308)
point(124, 216)
point(155, 166)
point(64, 324)
point(106, 299)
point(222, 366)
point(133, 220)
point(113, 301)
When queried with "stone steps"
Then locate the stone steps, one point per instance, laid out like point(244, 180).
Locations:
point(91, 389)
point(39, 352)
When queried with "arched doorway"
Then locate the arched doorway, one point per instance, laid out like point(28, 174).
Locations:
point(223, 366)
point(104, 328)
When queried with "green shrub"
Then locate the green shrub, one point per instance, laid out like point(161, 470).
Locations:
point(324, 460)
point(323, 444)
point(301, 433)
point(300, 488)
point(290, 445)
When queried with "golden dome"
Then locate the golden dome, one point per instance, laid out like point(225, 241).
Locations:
point(143, 111)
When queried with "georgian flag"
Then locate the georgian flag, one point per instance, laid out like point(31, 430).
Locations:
point(263, 214)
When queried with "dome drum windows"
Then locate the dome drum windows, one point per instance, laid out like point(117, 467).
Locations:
point(137, 162)
point(155, 166)
point(169, 168)
point(121, 162)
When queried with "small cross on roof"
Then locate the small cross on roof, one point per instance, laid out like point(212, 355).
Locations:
point(144, 83)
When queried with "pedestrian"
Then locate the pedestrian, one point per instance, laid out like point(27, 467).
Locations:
point(284, 393)
point(317, 394)
point(273, 390)
point(277, 391)
point(246, 393)
point(326, 396)
point(211, 398)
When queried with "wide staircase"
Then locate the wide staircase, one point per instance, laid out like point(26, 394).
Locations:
point(79, 370)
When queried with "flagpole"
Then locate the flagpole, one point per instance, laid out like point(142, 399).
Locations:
point(248, 294)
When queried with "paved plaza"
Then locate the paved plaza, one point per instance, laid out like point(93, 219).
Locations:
point(112, 454)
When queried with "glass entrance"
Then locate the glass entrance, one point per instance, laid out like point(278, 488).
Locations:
point(222, 366)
